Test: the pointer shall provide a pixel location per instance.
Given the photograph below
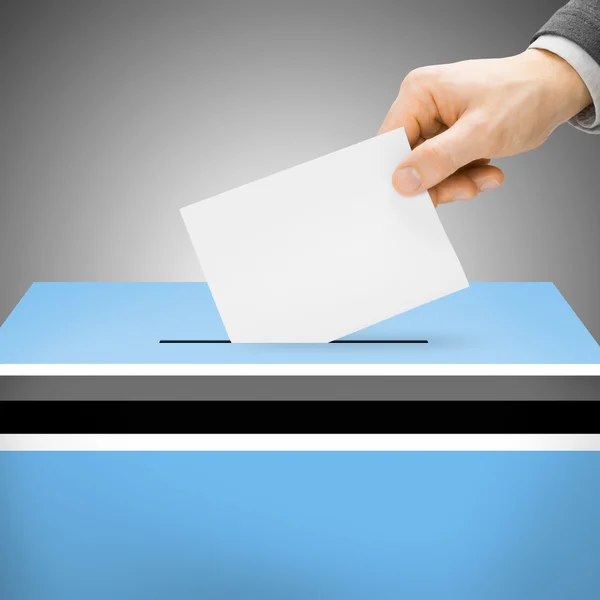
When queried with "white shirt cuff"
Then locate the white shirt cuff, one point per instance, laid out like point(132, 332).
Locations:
point(588, 119)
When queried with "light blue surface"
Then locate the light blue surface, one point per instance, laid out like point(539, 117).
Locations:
point(67, 323)
point(300, 526)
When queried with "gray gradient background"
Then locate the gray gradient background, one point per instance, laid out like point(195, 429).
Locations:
point(115, 114)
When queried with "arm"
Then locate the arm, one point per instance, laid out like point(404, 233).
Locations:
point(573, 33)
point(579, 22)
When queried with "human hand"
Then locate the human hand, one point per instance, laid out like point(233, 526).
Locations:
point(459, 116)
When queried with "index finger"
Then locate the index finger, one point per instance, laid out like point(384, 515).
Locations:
point(400, 115)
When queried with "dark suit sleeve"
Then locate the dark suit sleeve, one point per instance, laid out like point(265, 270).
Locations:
point(578, 21)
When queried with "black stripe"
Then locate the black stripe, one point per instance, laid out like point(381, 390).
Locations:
point(295, 417)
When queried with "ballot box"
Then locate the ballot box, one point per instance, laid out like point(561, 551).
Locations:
point(294, 525)
point(489, 341)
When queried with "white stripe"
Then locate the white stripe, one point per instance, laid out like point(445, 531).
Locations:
point(301, 369)
point(302, 442)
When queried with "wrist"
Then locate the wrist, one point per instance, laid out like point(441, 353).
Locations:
point(559, 81)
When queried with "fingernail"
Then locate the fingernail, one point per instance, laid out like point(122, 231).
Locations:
point(488, 184)
point(407, 179)
point(462, 197)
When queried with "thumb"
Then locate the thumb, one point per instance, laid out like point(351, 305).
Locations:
point(437, 158)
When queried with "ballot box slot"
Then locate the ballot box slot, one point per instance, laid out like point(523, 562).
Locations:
point(333, 342)
point(379, 342)
point(194, 342)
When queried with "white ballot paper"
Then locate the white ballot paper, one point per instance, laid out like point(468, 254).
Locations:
point(324, 249)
